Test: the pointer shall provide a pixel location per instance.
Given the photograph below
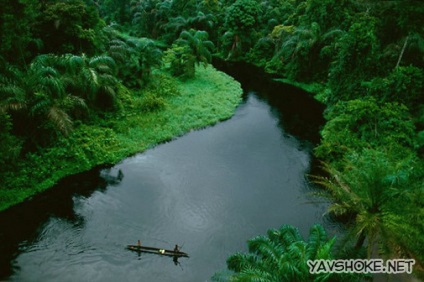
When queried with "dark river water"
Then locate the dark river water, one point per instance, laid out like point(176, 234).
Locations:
point(209, 191)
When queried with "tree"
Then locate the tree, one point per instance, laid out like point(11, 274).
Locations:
point(199, 22)
point(145, 54)
point(307, 52)
point(203, 21)
point(403, 85)
point(68, 27)
point(365, 123)
point(114, 10)
point(356, 59)
point(91, 78)
point(176, 25)
point(328, 14)
point(135, 57)
point(200, 46)
point(192, 47)
point(241, 19)
point(18, 41)
point(371, 191)
point(282, 255)
point(275, 12)
point(181, 61)
point(150, 16)
point(38, 100)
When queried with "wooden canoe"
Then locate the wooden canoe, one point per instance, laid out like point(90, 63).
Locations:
point(158, 251)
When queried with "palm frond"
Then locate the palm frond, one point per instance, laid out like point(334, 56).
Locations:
point(289, 235)
point(253, 275)
point(52, 85)
point(14, 98)
point(317, 237)
point(76, 102)
point(40, 106)
point(105, 63)
point(324, 250)
point(267, 250)
point(44, 61)
point(60, 119)
point(239, 261)
point(74, 63)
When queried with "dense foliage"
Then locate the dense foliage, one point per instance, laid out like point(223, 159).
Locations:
point(69, 64)
point(282, 255)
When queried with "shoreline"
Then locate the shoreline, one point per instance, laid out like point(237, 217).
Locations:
point(210, 97)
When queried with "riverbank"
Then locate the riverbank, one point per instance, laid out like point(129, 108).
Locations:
point(318, 90)
point(142, 121)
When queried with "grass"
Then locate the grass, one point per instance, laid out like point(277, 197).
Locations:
point(208, 98)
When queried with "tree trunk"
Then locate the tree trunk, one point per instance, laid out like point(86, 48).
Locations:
point(401, 52)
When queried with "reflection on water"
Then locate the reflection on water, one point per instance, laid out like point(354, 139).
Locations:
point(208, 192)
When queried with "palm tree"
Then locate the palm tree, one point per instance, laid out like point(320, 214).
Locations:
point(200, 47)
point(119, 51)
point(176, 25)
point(150, 16)
point(49, 96)
point(12, 94)
point(41, 94)
point(146, 54)
point(135, 57)
point(91, 78)
point(303, 49)
point(282, 255)
point(372, 192)
point(203, 21)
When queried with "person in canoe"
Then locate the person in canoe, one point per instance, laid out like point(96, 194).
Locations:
point(138, 243)
point(176, 248)
point(175, 258)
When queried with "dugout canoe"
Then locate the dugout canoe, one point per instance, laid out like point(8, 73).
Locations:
point(158, 251)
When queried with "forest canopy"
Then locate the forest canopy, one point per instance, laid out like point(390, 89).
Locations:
point(67, 64)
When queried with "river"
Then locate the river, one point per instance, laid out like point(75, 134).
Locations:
point(209, 191)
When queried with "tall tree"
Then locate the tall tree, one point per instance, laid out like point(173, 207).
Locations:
point(192, 47)
point(371, 191)
point(241, 18)
point(150, 17)
point(69, 27)
point(92, 78)
point(307, 52)
point(357, 59)
point(145, 55)
point(18, 42)
point(38, 100)
point(201, 47)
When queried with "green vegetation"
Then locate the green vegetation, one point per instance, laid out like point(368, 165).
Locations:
point(76, 72)
point(282, 255)
point(138, 125)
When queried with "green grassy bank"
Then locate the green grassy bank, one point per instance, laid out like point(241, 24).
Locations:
point(144, 119)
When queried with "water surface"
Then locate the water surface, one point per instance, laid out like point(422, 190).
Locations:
point(209, 191)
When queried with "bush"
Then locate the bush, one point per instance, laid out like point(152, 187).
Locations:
point(152, 102)
point(163, 86)
point(180, 61)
